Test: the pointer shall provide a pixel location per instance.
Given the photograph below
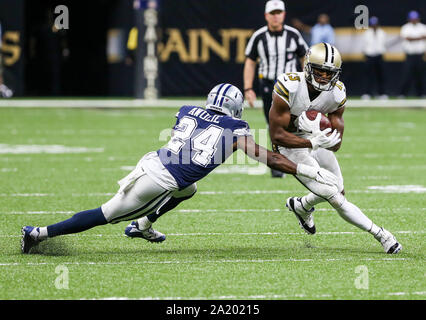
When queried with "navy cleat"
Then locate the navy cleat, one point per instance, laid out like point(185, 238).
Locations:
point(29, 238)
point(149, 234)
point(306, 220)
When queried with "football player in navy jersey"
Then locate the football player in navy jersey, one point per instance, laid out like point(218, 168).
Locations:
point(202, 139)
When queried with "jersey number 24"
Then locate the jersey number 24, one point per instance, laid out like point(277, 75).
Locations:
point(204, 143)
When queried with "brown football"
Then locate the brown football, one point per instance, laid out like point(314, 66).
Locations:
point(324, 123)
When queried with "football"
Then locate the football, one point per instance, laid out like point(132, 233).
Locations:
point(324, 123)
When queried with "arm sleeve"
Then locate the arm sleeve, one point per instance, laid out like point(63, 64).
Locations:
point(302, 47)
point(251, 49)
point(241, 129)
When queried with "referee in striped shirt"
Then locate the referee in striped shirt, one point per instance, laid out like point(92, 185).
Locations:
point(278, 48)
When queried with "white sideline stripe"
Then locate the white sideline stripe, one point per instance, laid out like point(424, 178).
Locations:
point(175, 103)
point(227, 234)
point(10, 264)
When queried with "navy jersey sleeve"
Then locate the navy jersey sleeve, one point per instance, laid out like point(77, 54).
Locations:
point(241, 128)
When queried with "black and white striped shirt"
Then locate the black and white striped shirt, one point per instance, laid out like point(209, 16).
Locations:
point(278, 51)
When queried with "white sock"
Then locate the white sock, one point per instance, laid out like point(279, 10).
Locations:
point(352, 214)
point(42, 233)
point(375, 230)
point(311, 200)
point(144, 223)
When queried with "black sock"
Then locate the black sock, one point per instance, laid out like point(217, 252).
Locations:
point(169, 205)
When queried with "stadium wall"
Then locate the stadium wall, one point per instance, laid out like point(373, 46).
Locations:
point(13, 36)
point(200, 43)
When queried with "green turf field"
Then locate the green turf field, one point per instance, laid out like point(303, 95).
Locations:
point(233, 240)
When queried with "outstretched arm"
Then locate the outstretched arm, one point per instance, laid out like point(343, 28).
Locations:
point(271, 159)
point(279, 162)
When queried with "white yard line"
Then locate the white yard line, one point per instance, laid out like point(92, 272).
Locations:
point(421, 293)
point(15, 264)
point(192, 234)
point(393, 189)
point(26, 194)
point(37, 212)
point(50, 149)
point(231, 297)
point(249, 297)
point(8, 169)
point(237, 210)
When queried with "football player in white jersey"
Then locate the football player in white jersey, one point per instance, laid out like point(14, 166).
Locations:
point(301, 140)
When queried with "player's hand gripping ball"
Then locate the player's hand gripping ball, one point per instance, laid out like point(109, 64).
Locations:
point(313, 122)
point(324, 122)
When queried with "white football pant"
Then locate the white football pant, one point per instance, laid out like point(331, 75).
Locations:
point(141, 197)
point(319, 193)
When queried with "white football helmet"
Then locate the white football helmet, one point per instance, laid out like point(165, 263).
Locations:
point(227, 99)
point(322, 57)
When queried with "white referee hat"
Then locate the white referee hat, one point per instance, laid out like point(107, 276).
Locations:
point(273, 5)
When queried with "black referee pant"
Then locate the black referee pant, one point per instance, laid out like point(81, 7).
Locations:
point(374, 72)
point(413, 71)
point(266, 87)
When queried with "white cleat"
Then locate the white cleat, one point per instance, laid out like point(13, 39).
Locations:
point(306, 220)
point(388, 241)
point(149, 234)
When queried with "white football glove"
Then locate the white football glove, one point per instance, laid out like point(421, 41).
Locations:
point(318, 174)
point(321, 140)
point(309, 126)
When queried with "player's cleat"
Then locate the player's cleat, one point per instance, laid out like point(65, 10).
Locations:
point(133, 231)
point(306, 220)
point(388, 241)
point(29, 238)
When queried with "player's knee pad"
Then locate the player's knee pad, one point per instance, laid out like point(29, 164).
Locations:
point(337, 200)
point(322, 190)
point(187, 192)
